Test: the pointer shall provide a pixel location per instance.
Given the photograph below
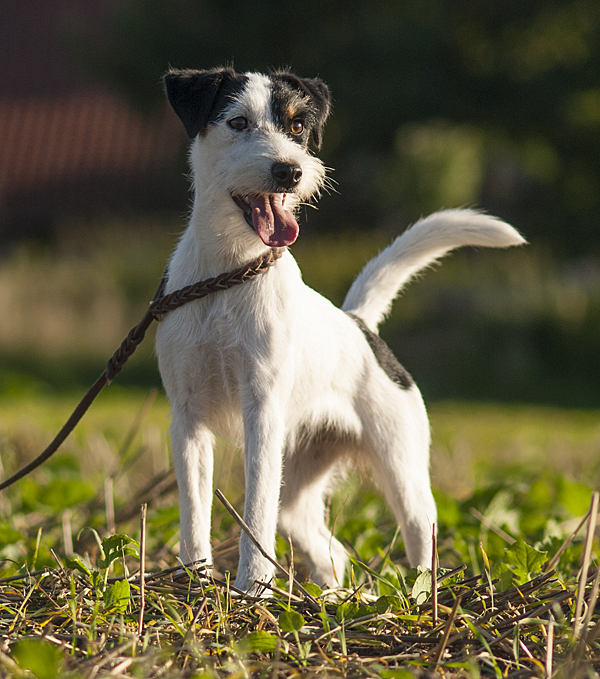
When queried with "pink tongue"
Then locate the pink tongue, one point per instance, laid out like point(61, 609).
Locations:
point(276, 226)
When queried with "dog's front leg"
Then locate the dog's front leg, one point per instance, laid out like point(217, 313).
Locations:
point(263, 456)
point(193, 460)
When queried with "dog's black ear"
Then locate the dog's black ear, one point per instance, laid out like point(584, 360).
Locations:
point(195, 95)
point(319, 93)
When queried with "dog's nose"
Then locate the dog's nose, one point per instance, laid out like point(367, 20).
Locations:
point(286, 175)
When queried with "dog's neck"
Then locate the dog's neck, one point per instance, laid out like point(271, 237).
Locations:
point(223, 237)
point(216, 241)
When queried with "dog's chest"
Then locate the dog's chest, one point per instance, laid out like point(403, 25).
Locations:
point(241, 325)
point(203, 357)
point(240, 320)
point(222, 346)
point(222, 327)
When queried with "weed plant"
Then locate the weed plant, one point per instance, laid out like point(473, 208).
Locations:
point(512, 485)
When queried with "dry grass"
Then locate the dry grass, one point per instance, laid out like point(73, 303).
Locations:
point(196, 625)
point(381, 623)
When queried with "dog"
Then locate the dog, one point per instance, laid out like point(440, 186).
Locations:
point(306, 387)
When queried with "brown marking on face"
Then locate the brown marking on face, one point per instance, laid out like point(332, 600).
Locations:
point(291, 110)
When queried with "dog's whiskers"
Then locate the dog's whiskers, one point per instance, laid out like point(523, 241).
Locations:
point(314, 206)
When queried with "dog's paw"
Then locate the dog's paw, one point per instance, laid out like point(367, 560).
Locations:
point(259, 590)
point(253, 569)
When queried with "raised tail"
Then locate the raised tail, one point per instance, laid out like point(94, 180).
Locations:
point(372, 293)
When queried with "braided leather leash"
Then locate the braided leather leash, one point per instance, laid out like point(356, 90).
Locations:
point(160, 305)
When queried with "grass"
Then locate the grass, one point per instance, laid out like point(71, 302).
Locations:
point(519, 471)
point(512, 483)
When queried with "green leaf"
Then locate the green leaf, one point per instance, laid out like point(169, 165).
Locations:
point(76, 563)
point(366, 610)
point(97, 582)
point(117, 597)
point(392, 583)
point(42, 659)
point(116, 546)
point(260, 641)
point(312, 589)
point(524, 560)
point(449, 581)
point(388, 602)
point(291, 621)
point(421, 590)
point(347, 611)
point(412, 575)
point(114, 543)
point(504, 574)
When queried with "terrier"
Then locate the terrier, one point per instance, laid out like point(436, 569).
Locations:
point(305, 386)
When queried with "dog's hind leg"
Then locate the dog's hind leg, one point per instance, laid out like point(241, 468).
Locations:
point(399, 453)
point(306, 480)
point(193, 461)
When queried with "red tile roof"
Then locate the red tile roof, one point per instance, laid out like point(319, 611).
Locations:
point(77, 137)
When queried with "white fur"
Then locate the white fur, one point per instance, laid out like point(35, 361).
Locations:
point(372, 293)
point(276, 366)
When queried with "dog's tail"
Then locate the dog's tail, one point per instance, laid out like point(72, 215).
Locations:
point(376, 287)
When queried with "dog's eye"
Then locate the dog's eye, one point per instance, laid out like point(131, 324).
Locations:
point(297, 126)
point(238, 123)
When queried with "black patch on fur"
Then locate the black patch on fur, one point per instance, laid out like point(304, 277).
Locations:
point(385, 357)
point(307, 99)
point(199, 97)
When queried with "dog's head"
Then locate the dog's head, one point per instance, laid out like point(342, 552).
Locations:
point(250, 153)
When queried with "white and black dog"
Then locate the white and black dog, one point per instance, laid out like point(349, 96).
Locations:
point(306, 386)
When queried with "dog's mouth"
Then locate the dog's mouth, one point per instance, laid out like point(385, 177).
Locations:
point(275, 225)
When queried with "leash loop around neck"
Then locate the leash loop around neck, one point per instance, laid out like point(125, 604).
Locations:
point(160, 305)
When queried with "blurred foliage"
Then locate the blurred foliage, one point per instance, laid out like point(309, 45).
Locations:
point(73, 300)
point(437, 103)
point(516, 325)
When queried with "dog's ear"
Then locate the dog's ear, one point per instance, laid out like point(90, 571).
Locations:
point(321, 97)
point(195, 95)
point(318, 93)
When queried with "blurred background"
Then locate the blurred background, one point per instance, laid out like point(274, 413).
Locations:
point(437, 103)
